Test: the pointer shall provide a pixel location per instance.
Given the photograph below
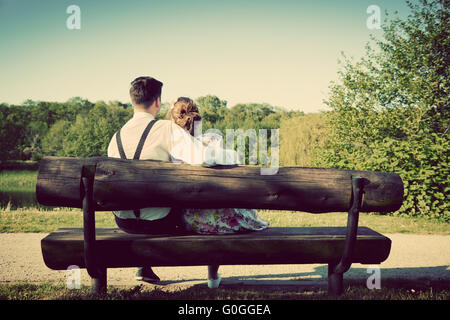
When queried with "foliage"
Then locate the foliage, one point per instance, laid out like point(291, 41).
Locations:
point(90, 134)
point(302, 138)
point(12, 132)
point(23, 127)
point(52, 143)
point(80, 128)
point(390, 110)
point(213, 111)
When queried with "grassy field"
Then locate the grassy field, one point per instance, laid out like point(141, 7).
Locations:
point(35, 220)
point(355, 290)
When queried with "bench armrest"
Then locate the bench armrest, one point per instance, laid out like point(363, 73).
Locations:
point(87, 186)
point(352, 225)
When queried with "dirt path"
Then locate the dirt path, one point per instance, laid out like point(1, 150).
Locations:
point(412, 257)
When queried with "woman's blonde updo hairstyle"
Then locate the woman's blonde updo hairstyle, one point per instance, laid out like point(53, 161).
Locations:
point(184, 113)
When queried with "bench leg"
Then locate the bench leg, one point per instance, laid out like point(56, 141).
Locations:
point(335, 281)
point(99, 283)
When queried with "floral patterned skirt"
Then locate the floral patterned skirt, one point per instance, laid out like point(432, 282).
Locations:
point(223, 221)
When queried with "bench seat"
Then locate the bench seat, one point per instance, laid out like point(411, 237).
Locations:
point(294, 245)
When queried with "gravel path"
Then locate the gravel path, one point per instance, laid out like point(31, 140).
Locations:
point(412, 257)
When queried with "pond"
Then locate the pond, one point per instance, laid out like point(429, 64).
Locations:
point(18, 189)
point(20, 199)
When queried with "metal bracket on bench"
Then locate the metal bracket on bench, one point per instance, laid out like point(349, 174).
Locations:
point(97, 273)
point(352, 225)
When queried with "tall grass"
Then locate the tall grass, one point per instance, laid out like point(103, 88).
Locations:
point(301, 139)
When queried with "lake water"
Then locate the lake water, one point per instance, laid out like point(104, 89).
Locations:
point(18, 189)
point(20, 199)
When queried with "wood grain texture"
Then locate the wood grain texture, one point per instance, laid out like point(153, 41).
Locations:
point(131, 184)
point(59, 180)
point(271, 246)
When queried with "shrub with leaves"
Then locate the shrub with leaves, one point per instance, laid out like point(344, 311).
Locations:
point(390, 110)
point(90, 134)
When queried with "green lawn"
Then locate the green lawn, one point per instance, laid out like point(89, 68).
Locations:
point(35, 220)
point(354, 290)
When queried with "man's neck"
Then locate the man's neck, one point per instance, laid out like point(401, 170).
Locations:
point(151, 111)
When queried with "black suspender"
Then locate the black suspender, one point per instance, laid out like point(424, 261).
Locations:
point(140, 145)
point(120, 146)
point(137, 154)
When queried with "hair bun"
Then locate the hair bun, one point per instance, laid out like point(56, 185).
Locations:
point(184, 113)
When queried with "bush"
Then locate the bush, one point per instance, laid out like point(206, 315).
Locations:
point(302, 138)
point(90, 134)
point(390, 110)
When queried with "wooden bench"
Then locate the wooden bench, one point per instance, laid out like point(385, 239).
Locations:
point(104, 184)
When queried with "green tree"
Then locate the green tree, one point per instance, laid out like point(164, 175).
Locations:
point(34, 150)
point(252, 116)
point(213, 111)
point(14, 122)
point(7, 128)
point(73, 107)
point(52, 143)
point(302, 139)
point(90, 134)
point(390, 110)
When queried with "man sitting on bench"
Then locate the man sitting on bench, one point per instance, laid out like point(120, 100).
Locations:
point(143, 137)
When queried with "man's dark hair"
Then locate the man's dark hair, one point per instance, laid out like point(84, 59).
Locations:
point(145, 90)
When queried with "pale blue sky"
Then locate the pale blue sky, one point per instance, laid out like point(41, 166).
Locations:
point(280, 52)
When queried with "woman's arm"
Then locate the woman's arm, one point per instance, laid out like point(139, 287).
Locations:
point(184, 147)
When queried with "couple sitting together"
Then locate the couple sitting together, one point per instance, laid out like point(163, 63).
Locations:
point(143, 137)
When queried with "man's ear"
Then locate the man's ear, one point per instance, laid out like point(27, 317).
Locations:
point(158, 103)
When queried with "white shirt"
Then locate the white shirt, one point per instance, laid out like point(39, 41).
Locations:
point(165, 142)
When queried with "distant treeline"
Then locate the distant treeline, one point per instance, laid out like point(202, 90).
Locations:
point(81, 128)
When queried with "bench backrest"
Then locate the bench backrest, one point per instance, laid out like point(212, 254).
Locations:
point(129, 184)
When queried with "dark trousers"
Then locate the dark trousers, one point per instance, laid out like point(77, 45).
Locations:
point(170, 224)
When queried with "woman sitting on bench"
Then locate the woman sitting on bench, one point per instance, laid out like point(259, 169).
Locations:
point(212, 221)
point(184, 113)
